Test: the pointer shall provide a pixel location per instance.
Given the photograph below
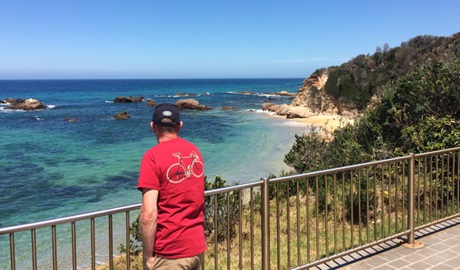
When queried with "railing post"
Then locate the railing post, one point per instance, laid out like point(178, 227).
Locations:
point(265, 224)
point(410, 214)
point(12, 253)
point(411, 242)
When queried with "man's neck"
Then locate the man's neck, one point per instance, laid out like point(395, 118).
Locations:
point(167, 137)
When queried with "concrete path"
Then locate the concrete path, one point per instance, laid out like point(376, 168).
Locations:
point(441, 250)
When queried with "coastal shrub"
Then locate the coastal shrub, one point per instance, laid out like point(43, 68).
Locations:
point(440, 185)
point(135, 243)
point(432, 133)
point(371, 194)
point(356, 81)
point(417, 113)
point(221, 211)
point(308, 153)
point(345, 148)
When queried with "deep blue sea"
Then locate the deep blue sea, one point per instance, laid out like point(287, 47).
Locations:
point(51, 167)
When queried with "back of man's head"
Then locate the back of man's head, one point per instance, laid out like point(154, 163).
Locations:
point(166, 114)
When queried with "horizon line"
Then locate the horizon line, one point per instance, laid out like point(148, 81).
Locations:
point(89, 79)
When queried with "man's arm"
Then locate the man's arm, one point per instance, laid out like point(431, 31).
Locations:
point(148, 224)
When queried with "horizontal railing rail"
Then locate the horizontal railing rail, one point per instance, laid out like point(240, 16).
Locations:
point(57, 221)
point(290, 222)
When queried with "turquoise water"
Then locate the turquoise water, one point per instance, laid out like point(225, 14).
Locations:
point(52, 168)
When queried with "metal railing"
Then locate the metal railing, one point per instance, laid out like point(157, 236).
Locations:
point(297, 221)
point(53, 262)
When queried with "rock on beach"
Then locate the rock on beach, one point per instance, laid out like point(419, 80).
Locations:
point(287, 110)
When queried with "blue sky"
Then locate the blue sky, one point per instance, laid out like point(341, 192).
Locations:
point(205, 38)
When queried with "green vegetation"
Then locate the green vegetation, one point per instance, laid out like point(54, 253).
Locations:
point(417, 87)
point(417, 90)
point(355, 82)
point(223, 205)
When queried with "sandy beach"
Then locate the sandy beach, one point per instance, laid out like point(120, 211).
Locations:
point(326, 121)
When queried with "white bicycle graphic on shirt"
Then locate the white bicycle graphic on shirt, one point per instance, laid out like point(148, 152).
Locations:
point(179, 171)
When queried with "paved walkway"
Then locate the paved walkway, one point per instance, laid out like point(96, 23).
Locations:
point(441, 250)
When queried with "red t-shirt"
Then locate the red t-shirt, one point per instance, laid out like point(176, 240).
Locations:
point(175, 168)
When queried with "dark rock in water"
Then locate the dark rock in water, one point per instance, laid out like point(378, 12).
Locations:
point(128, 99)
point(122, 116)
point(70, 119)
point(191, 104)
point(152, 103)
point(10, 100)
point(27, 105)
point(229, 108)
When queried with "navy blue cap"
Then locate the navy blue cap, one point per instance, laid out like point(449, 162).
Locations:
point(166, 110)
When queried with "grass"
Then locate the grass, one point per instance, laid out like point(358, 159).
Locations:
point(298, 235)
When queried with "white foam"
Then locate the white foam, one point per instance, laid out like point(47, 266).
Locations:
point(267, 95)
point(261, 111)
point(256, 94)
point(241, 93)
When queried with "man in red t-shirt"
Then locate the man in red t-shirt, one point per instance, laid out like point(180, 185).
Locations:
point(172, 183)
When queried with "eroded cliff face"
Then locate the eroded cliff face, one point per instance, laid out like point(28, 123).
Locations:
point(313, 96)
point(312, 99)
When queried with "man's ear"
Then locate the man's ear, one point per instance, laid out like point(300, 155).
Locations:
point(152, 125)
point(180, 126)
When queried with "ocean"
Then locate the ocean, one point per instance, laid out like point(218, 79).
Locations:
point(51, 167)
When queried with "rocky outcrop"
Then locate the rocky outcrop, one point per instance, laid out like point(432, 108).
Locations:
point(191, 104)
point(313, 95)
point(300, 112)
point(122, 116)
point(128, 99)
point(287, 110)
point(29, 104)
point(311, 99)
